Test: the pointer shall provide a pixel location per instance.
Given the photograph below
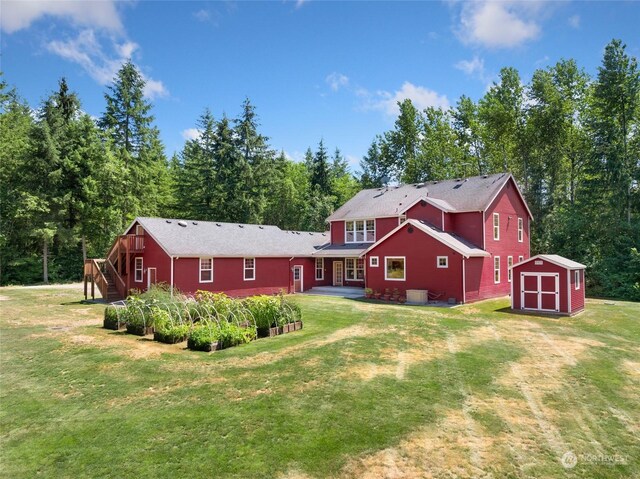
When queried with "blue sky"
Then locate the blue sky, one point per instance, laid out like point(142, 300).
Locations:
point(314, 69)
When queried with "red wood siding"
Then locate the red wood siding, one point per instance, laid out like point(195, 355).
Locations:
point(421, 271)
point(468, 226)
point(153, 257)
point(272, 275)
point(426, 212)
point(577, 295)
point(509, 206)
point(384, 226)
point(473, 268)
point(337, 232)
point(545, 267)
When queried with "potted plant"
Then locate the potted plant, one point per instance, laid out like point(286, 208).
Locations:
point(395, 295)
point(377, 295)
point(368, 293)
point(402, 299)
point(387, 294)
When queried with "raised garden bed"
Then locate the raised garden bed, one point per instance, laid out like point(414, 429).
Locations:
point(139, 330)
point(206, 347)
point(168, 338)
point(113, 324)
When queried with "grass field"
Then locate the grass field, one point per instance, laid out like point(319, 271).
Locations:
point(365, 390)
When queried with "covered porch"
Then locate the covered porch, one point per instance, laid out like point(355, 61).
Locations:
point(342, 266)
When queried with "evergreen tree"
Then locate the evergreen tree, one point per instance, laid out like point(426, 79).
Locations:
point(321, 174)
point(128, 121)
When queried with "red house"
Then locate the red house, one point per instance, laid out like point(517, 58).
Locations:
point(456, 239)
point(548, 283)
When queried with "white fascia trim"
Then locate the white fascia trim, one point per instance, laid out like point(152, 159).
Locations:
point(510, 177)
point(544, 258)
point(431, 202)
point(421, 227)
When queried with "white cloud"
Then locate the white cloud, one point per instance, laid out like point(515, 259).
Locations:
point(387, 102)
point(502, 24)
point(191, 134)
point(337, 80)
point(202, 15)
point(86, 51)
point(475, 66)
point(20, 14)
point(300, 3)
point(574, 21)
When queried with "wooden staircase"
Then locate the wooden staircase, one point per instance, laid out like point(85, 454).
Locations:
point(112, 275)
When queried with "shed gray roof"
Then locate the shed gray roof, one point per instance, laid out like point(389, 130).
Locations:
point(469, 194)
point(208, 238)
point(555, 259)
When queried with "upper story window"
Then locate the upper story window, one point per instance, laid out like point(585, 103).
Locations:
point(138, 270)
point(496, 226)
point(360, 231)
point(374, 261)
point(206, 270)
point(249, 269)
point(509, 266)
point(319, 268)
point(520, 230)
point(442, 261)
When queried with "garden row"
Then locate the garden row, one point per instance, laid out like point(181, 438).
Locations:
point(208, 321)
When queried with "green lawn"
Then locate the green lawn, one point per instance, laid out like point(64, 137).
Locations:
point(364, 390)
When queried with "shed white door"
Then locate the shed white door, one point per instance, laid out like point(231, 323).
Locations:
point(540, 291)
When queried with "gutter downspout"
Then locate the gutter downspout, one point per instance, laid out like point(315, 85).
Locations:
point(464, 282)
point(289, 275)
point(171, 283)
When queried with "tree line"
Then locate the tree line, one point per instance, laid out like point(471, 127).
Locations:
point(70, 183)
point(571, 141)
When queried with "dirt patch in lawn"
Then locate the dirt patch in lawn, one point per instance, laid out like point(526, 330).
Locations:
point(396, 362)
point(357, 331)
point(456, 446)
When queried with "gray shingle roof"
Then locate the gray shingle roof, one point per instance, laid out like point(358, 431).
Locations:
point(207, 238)
point(343, 250)
point(469, 194)
point(555, 259)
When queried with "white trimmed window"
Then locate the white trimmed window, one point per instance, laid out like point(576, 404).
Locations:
point(138, 270)
point(576, 278)
point(360, 231)
point(496, 269)
point(496, 226)
point(509, 266)
point(520, 230)
point(520, 259)
point(206, 270)
point(319, 269)
point(249, 269)
point(403, 218)
point(354, 269)
point(374, 261)
point(442, 261)
point(394, 268)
